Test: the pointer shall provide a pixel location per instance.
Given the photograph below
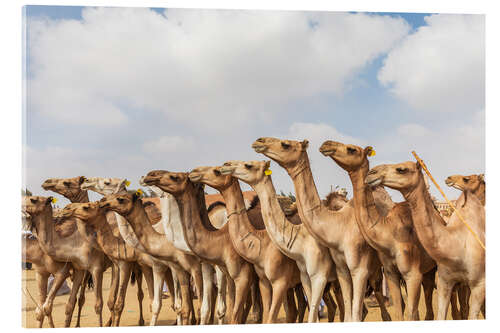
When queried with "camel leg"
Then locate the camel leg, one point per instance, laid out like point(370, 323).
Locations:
point(125, 270)
point(290, 307)
point(455, 311)
point(185, 296)
point(159, 273)
point(301, 303)
point(113, 291)
point(257, 308)
point(463, 294)
point(221, 295)
point(197, 275)
point(230, 297)
point(247, 306)
point(140, 293)
point(59, 279)
point(330, 303)
point(97, 275)
point(376, 284)
point(177, 297)
point(207, 272)
point(278, 293)
point(78, 276)
point(346, 286)
point(413, 284)
point(266, 293)
point(242, 287)
point(171, 286)
point(318, 283)
point(444, 289)
point(42, 281)
point(393, 282)
point(81, 298)
point(339, 298)
point(147, 273)
point(360, 277)
point(428, 286)
point(477, 297)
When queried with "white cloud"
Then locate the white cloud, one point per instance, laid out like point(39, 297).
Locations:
point(197, 66)
point(169, 144)
point(441, 67)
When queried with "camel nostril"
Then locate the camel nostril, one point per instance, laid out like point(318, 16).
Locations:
point(372, 172)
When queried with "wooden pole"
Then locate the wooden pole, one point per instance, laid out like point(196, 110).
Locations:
point(448, 201)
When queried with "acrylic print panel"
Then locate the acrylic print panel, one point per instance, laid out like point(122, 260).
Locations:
point(144, 125)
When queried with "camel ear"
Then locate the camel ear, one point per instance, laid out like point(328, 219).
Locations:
point(137, 195)
point(481, 178)
point(419, 167)
point(369, 151)
point(268, 164)
point(305, 144)
point(50, 200)
point(81, 179)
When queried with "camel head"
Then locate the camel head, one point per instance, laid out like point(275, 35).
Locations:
point(210, 176)
point(463, 183)
point(105, 186)
point(348, 157)
point(33, 205)
point(83, 211)
point(156, 190)
point(402, 176)
point(171, 182)
point(68, 187)
point(284, 152)
point(251, 172)
point(336, 200)
point(123, 203)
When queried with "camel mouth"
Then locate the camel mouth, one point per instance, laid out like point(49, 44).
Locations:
point(327, 151)
point(373, 182)
point(449, 182)
point(226, 171)
point(259, 148)
point(149, 180)
point(195, 177)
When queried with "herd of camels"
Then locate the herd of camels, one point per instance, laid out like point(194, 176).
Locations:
point(236, 258)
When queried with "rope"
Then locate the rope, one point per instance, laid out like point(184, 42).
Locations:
point(32, 299)
point(448, 201)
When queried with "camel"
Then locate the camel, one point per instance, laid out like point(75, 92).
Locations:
point(210, 244)
point(334, 201)
point(169, 225)
point(355, 261)
point(315, 265)
point(71, 188)
point(277, 273)
point(73, 249)
point(156, 244)
point(473, 183)
point(391, 235)
point(459, 257)
point(90, 215)
point(44, 265)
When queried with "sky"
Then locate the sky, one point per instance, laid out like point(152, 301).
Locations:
point(117, 92)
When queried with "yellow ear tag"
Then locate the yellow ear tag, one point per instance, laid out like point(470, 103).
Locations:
point(268, 172)
point(138, 192)
point(127, 183)
point(54, 200)
point(372, 152)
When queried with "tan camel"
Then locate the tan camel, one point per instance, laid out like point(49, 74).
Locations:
point(277, 273)
point(131, 208)
point(391, 235)
point(315, 265)
point(44, 266)
point(168, 225)
point(458, 255)
point(73, 249)
point(356, 262)
point(210, 244)
point(473, 183)
point(71, 188)
point(90, 216)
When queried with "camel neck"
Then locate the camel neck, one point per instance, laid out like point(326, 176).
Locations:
point(309, 203)
point(239, 224)
point(481, 193)
point(151, 240)
point(114, 247)
point(282, 232)
point(367, 216)
point(81, 196)
point(429, 225)
point(45, 231)
point(204, 242)
point(87, 235)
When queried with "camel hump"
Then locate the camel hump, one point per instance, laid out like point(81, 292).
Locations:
point(66, 228)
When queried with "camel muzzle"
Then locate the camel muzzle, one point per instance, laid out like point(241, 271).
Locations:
point(194, 177)
point(226, 170)
point(258, 147)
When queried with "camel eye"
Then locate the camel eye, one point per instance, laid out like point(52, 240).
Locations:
point(33, 201)
point(466, 180)
point(85, 208)
point(248, 166)
point(351, 150)
point(401, 170)
point(285, 145)
point(66, 184)
point(217, 172)
point(107, 183)
point(174, 178)
point(120, 200)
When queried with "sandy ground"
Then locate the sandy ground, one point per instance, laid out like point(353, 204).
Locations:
point(130, 314)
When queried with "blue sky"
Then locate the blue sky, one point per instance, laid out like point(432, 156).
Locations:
point(197, 87)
